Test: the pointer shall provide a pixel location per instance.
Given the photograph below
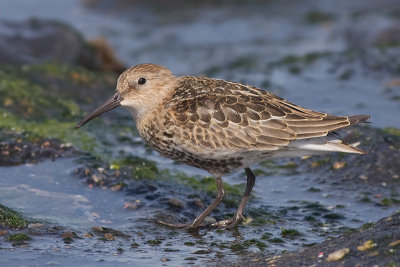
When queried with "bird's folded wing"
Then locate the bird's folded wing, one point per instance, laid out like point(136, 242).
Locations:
point(248, 118)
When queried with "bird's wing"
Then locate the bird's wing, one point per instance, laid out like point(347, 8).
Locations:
point(231, 116)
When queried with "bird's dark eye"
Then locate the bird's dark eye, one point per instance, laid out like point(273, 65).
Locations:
point(142, 81)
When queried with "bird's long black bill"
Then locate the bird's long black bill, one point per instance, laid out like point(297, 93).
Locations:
point(111, 103)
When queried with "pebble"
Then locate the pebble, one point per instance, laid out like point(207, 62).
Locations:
point(109, 236)
point(117, 187)
point(338, 254)
point(45, 143)
point(209, 220)
point(35, 225)
point(131, 206)
point(95, 178)
point(176, 202)
point(198, 202)
point(87, 172)
point(394, 243)
point(66, 145)
point(366, 245)
point(363, 177)
point(338, 165)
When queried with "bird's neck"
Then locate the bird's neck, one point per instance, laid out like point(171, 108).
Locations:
point(145, 108)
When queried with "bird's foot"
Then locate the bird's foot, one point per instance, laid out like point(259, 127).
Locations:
point(232, 222)
point(180, 225)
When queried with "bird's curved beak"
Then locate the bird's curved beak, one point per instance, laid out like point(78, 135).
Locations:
point(111, 103)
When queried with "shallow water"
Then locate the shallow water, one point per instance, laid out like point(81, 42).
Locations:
point(48, 192)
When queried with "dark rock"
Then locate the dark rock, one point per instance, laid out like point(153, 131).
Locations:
point(371, 245)
point(175, 202)
point(383, 234)
point(36, 41)
point(141, 188)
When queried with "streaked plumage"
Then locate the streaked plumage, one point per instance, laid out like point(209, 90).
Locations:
point(220, 126)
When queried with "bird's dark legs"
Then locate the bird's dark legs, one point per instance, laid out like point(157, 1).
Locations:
point(197, 222)
point(251, 178)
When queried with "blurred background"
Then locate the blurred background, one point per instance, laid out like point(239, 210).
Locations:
point(60, 59)
point(335, 56)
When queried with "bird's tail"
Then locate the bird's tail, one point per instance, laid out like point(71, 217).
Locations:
point(341, 146)
point(358, 118)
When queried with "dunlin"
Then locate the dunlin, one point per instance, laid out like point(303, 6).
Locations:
point(220, 126)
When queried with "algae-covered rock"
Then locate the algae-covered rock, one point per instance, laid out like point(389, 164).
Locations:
point(18, 237)
point(40, 102)
point(11, 219)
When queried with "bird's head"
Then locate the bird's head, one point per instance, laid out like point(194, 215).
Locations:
point(139, 89)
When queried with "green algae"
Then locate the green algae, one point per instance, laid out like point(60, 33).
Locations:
point(202, 251)
point(391, 131)
point(301, 60)
point(289, 165)
point(392, 135)
point(313, 189)
point(245, 63)
point(62, 71)
point(18, 237)
point(289, 233)
point(367, 225)
point(154, 242)
point(49, 128)
point(333, 216)
point(30, 100)
point(346, 74)
point(208, 185)
point(243, 246)
point(389, 201)
point(134, 245)
point(276, 240)
point(140, 168)
point(29, 107)
point(391, 264)
point(317, 17)
point(11, 219)
point(365, 199)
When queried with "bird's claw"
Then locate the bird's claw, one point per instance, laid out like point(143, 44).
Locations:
point(230, 223)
